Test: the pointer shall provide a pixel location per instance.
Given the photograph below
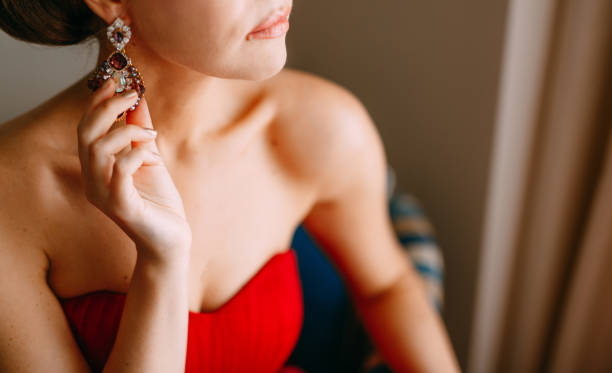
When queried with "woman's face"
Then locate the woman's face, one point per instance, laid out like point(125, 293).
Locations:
point(210, 36)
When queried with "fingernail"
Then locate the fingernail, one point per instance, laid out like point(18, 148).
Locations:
point(151, 132)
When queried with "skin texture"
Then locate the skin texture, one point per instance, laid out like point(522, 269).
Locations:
point(253, 149)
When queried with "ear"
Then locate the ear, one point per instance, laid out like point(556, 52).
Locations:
point(108, 10)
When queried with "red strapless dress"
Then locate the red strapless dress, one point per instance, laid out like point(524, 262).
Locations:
point(255, 331)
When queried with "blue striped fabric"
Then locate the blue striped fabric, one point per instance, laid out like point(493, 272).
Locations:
point(416, 234)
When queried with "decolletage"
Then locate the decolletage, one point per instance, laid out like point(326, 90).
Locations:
point(255, 331)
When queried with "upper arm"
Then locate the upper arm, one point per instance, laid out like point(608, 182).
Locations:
point(34, 333)
point(350, 218)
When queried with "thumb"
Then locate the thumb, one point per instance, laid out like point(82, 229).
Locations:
point(142, 117)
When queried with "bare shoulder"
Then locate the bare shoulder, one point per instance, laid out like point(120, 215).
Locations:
point(19, 162)
point(26, 186)
point(20, 248)
point(18, 202)
point(31, 318)
point(328, 127)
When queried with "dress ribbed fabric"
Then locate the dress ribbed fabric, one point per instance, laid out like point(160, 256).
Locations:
point(255, 331)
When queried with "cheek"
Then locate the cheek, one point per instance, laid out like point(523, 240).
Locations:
point(208, 36)
point(187, 30)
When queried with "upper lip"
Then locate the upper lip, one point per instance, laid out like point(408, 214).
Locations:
point(274, 17)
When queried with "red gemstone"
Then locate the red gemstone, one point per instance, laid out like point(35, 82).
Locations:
point(118, 61)
point(118, 36)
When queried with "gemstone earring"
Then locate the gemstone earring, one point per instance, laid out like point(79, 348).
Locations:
point(118, 66)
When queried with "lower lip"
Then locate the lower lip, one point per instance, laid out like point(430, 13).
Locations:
point(279, 28)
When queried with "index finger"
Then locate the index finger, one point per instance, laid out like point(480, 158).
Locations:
point(106, 91)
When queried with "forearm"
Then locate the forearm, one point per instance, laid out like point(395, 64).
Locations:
point(406, 330)
point(152, 335)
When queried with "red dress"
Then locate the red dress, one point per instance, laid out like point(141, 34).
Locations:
point(255, 331)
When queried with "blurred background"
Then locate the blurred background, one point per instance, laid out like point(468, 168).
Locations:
point(493, 113)
point(428, 73)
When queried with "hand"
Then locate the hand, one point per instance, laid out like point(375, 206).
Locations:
point(131, 186)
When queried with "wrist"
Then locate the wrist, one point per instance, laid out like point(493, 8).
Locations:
point(178, 260)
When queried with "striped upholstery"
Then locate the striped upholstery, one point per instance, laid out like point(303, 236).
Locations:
point(417, 236)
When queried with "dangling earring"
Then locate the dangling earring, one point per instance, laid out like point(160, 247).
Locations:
point(118, 66)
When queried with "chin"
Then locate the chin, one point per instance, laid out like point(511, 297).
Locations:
point(264, 64)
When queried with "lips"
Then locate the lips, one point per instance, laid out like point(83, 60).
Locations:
point(278, 15)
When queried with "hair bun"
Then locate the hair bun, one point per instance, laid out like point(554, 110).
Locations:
point(49, 22)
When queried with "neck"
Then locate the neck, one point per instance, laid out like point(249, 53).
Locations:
point(184, 104)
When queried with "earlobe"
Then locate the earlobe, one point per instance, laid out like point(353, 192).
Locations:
point(109, 10)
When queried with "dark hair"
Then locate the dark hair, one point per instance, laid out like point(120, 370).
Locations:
point(49, 22)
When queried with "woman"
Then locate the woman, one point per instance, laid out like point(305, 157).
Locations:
point(116, 231)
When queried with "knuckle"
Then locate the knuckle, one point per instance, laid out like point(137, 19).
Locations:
point(82, 134)
point(97, 146)
point(118, 206)
point(120, 166)
point(95, 149)
point(140, 152)
point(106, 105)
point(103, 107)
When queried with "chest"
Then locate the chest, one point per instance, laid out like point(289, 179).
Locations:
point(242, 204)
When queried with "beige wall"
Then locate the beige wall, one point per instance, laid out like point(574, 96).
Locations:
point(427, 72)
point(31, 73)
